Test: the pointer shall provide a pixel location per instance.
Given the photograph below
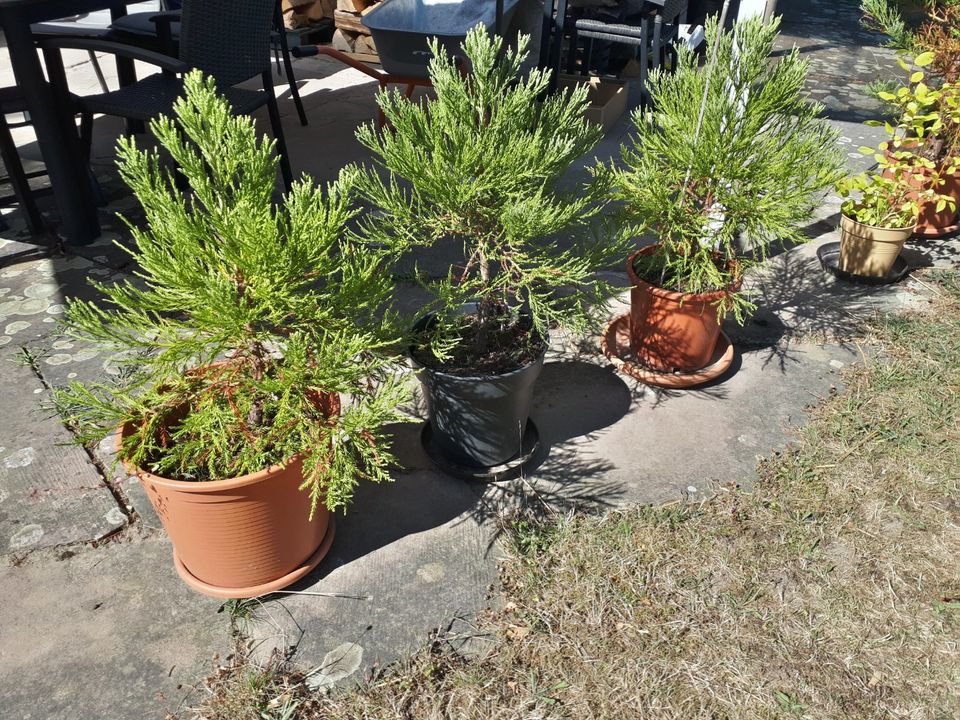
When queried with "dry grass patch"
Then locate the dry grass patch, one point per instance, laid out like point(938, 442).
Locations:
point(831, 591)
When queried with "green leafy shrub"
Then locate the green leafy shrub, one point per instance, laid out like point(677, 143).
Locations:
point(479, 166)
point(928, 117)
point(879, 200)
point(243, 316)
point(913, 165)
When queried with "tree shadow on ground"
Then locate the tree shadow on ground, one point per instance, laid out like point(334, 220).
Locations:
point(797, 297)
point(574, 400)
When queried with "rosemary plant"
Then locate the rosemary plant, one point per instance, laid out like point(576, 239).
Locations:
point(243, 318)
point(480, 166)
point(719, 189)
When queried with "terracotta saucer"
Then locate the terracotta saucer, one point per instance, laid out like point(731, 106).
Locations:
point(829, 256)
point(529, 445)
point(256, 590)
point(615, 344)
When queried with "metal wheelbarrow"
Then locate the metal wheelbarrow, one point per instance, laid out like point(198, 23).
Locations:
point(401, 30)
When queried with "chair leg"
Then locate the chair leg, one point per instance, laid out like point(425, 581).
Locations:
point(86, 144)
point(292, 81)
point(556, 50)
point(98, 71)
point(86, 134)
point(572, 52)
point(277, 128)
point(288, 65)
point(18, 179)
point(644, 58)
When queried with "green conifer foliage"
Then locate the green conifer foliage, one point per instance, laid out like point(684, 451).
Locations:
point(480, 165)
point(279, 295)
point(718, 192)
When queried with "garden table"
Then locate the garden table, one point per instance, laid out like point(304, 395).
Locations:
point(52, 120)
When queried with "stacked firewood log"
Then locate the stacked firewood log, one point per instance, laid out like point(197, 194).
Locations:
point(350, 35)
point(306, 13)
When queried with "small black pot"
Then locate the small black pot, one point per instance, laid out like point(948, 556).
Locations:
point(479, 420)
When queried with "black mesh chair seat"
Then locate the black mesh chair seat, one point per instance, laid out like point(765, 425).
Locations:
point(161, 32)
point(654, 32)
point(229, 40)
point(155, 95)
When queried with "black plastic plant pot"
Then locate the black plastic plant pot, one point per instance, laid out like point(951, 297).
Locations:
point(479, 421)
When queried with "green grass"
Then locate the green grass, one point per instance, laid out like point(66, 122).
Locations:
point(829, 591)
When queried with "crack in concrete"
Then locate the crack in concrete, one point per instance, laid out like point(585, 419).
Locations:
point(119, 496)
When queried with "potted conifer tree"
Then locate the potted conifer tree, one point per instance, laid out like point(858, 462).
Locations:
point(256, 387)
point(478, 167)
point(728, 158)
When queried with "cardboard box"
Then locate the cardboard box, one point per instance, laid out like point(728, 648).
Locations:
point(608, 99)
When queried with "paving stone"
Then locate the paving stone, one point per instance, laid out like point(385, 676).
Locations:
point(408, 557)
point(33, 289)
point(667, 445)
point(107, 633)
point(50, 492)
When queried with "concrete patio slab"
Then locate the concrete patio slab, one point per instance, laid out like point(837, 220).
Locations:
point(110, 632)
point(33, 287)
point(408, 557)
point(50, 492)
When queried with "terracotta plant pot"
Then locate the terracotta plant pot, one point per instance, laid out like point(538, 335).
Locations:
point(245, 536)
point(672, 331)
point(933, 223)
point(867, 250)
point(930, 222)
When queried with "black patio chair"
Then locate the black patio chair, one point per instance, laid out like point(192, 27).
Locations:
point(12, 102)
point(654, 33)
point(160, 31)
point(228, 40)
point(97, 25)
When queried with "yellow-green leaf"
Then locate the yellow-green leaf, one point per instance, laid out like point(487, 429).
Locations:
point(923, 59)
point(917, 76)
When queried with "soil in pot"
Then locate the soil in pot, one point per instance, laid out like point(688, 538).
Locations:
point(869, 251)
point(671, 331)
point(243, 536)
point(499, 343)
point(478, 413)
